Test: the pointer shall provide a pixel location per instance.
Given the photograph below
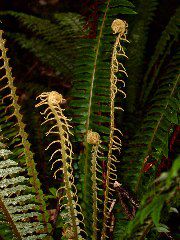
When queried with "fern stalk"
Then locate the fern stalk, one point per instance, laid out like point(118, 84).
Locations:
point(94, 197)
point(55, 112)
point(25, 143)
point(93, 138)
point(9, 219)
point(95, 65)
point(119, 27)
point(86, 168)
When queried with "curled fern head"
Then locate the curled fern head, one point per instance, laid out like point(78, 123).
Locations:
point(53, 98)
point(119, 26)
point(93, 137)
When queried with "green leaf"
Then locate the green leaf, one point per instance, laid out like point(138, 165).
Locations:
point(53, 191)
point(157, 206)
point(162, 228)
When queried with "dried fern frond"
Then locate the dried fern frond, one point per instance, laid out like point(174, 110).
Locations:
point(61, 160)
point(120, 27)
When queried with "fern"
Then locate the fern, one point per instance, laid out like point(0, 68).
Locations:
point(93, 138)
point(17, 202)
point(152, 138)
point(17, 134)
point(68, 200)
point(168, 38)
point(162, 194)
point(59, 34)
point(98, 72)
point(5, 230)
point(151, 208)
point(93, 74)
point(59, 63)
point(138, 37)
point(91, 91)
point(119, 27)
point(154, 119)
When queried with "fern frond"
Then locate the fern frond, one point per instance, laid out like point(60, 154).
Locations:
point(17, 200)
point(63, 24)
point(119, 27)
point(16, 131)
point(91, 88)
point(63, 164)
point(149, 213)
point(151, 139)
point(58, 62)
point(138, 37)
point(72, 23)
point(5, 229)
point(163, 47)
point(53, 41)
point(93, 138)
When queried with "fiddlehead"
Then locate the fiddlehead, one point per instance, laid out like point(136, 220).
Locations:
point(69, 207)
point(120, 27)
point(93, 138)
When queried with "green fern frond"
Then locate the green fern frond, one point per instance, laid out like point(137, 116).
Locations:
point(17, 200)
point(150, 211)
point(59, 62)
point(91, 88)
point(169, 37)
point(15, 130)
point(71, 23)
point(54, 41)
point(138, 37)
point(151, 139)
point(51, 30)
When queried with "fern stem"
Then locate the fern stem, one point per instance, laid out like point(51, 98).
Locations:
point(94, 188)
point(95, 64)
point(93, 138)
point(154, 134)
point(9, 219)
point(105, 212)
point(28, 154)
point(119, 27)
point(66, 177)
point(86, 163)
point(72, 228)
